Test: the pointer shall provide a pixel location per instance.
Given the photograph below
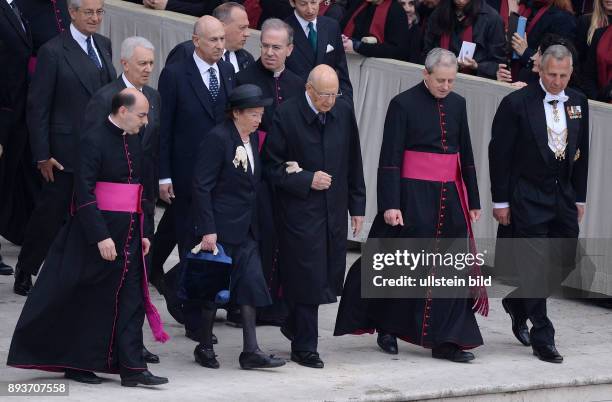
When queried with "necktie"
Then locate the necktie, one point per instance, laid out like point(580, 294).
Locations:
point(321, 117)
point(17, 13)
point(312, 36)
point(227, 56)
point(92, 53)
point(213, 85)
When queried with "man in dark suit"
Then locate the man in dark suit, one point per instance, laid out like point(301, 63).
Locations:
point(321, 136)
point(317, 41)
point(71, 68)
point(194, 93)
point(236, 25)
point(538, 162)
point(137, 59)
point(15, 162)
point(47, 19)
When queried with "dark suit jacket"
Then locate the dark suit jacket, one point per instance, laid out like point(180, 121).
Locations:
point(186, 49)
point(519, 154)
point(97, 112)
point(64, 81)
point(225, 196)
point(303, 58)
point(186, 117)
point(15, 52)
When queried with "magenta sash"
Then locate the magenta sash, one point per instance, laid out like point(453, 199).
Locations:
point(124, 197)
point(446, 168)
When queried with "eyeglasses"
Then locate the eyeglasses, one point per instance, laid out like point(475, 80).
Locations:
point(324, 95)
point(91, 13)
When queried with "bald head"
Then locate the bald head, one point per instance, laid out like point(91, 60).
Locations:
point(209, 39)
point(322, 87)
point(129, 110)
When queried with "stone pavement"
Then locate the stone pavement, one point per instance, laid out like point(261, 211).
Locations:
point(355, 369)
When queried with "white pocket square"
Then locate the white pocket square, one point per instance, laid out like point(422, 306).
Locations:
point(329, 48)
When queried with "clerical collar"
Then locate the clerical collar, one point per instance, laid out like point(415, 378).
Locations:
point(115, 124)
point(312, 106)
point(560, 97)
point(277, 74)
point(128, 84)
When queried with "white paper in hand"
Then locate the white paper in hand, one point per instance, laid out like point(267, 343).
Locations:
point(467, 50)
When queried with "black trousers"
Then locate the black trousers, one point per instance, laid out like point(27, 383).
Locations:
point(163, 244)
point(542, 263)
point(129, 339)
point(50, 213)
point(303, 322)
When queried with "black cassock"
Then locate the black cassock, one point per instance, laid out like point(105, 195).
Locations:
point(417, 121)
point(85, 312)
point(313, 224)
point(281, 88)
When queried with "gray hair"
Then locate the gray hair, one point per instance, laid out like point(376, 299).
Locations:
point(277, 24)
point(557, 52)
point(223, 12)
point(129, 44)
point(74, 4)
point(439, 57)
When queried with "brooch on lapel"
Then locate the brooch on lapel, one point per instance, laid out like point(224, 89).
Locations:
point(574, 112)
point(577, 155)
point(241, 158)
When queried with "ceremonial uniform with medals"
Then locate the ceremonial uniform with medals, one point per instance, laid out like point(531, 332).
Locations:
point(538, 162)
point(421, 128)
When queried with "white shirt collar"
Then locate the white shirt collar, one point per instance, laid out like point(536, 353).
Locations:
point(312, 106)
point(561, 97)
point(203, 66)
point(278, 73)
point(127, 83)
point(10, 2)
point(78, 35)
point(304, 23)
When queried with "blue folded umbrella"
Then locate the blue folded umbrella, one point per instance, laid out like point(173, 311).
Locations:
point(209, 256)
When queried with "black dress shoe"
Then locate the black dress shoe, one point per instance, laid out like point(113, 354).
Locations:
point(451, 352)
point(5, 269)
point(307, 359)
point(547, 353)
point(195, 336)
point(387, 342)
point(143, 378)
point(255, 360)
point(206, 357)
point(83, 376)
point(284, 329)
point(519, 326)
point(23, 283)
point(149, 357)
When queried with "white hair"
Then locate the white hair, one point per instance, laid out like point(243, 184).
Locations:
point(129, 44)
point(439, 57)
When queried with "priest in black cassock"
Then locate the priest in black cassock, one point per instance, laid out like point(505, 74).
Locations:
point(426, 129)
point(89, 298)
point(315, 195)
point(280, 84)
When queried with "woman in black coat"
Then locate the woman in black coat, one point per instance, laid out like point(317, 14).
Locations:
point(226, 179)
point(456, 21)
